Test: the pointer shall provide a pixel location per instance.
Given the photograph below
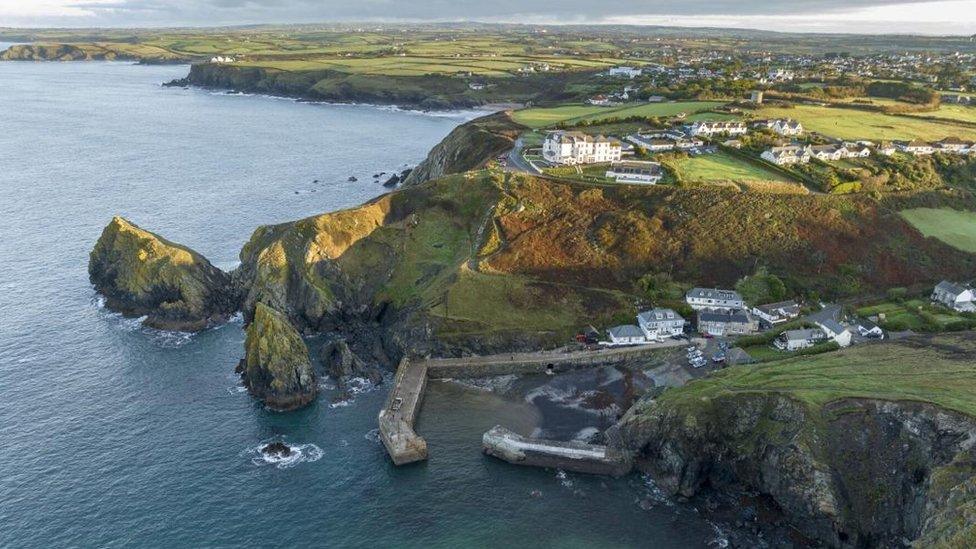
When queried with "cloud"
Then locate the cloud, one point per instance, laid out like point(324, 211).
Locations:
point(776, 14)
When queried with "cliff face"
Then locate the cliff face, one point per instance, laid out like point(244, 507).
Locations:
point(847, 469)
point(143, 274)
point(56, 52)
point(276, 366)
point(468, 147)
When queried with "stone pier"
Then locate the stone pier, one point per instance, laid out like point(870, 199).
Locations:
point(397, 417)
point(575, 456)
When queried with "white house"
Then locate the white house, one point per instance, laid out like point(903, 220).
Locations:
point(564, 147)
point(660, 323)
point(780, 75)
point(704, 128)
point(917, 147)
point(794, 340)
point(857, 150)
point(629, 72)
point(627, 334)
point(709, 298)
point(777, 313)
point(954, 145)
point(836, 332)
point(222, 59)
point(785, 156)
point(648, 173)
point(887, 148)
point(827, 152)
point(786, 127)
point(869, 329)
point(957, 297)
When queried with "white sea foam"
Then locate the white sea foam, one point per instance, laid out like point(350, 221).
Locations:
point(300, 453)
point(586, 433)
point(373, 435)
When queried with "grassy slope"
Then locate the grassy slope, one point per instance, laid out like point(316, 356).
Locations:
point(954, 227)
point(938, 370)
point(722, 167)
point(857, 124)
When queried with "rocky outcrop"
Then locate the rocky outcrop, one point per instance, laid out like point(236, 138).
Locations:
point(276, 366)
point(342, 364)
point(56, 52)
point(468, 147)
point(855, 473)
point(142, 274)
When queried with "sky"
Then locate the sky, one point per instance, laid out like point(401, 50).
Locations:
point(857, 16)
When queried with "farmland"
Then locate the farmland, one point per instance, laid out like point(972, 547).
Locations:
point(859, 124)
point(570, 114)
point(723, 167)
point(955, 228)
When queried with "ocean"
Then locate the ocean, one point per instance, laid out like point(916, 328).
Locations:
point(114, 435)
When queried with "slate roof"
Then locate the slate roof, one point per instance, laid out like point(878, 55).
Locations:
point(627, 330)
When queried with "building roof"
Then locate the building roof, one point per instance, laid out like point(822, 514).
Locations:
point(786, 307)
point(731, 317)
point(626, 330)
point(658, 315)
point(952, 288)
point(636, 168)
point(737, 355)
point(712, 293)
point(802, 335)
point(831, 326)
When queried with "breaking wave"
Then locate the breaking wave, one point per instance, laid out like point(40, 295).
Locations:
point(300, 453)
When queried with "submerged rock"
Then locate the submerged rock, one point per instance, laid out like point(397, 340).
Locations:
point(278, 449)
point(276, 367)
point(142, 274)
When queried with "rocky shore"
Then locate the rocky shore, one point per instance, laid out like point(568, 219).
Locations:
point(276, 367)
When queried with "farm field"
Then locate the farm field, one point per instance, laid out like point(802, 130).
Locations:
point(856, 124)
point(950, 112)
point(542, 117)
point(708, 168)
point(954, 227)
point(420, 65)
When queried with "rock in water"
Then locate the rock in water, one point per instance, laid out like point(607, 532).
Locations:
point(143, 274)
point(279, 449)
point(276, 367)
point(342, 363)
point(392, 181)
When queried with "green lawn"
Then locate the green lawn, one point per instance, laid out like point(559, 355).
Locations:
point(954, 227)
point(722, 167)
point(934, 372)
point(857, 124)
point(951, 112)
point(542, 117)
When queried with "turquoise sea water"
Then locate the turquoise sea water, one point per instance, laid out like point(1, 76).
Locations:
point(112, 435)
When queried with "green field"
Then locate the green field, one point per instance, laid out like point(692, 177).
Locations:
point(542, 117)
point(722, 167)
point(914, 314)
point(951, 112)
point(954, 227)
point(856, 124)
point(933, 371)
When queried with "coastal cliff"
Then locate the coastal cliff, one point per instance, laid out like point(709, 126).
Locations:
point(276, 367)
point(468, 147)
point(93, 52)
point(854, 450)
point(142, 274)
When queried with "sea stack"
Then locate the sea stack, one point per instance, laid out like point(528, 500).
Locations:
point(276, 367)
point(142, 274)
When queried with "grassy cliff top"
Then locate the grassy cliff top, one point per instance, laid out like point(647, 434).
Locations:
point(939, 370)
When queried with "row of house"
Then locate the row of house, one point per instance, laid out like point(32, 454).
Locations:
point(647, 173)
point(652, 325)
point(787, 127)
point(665, 141)
point(949, 145)
point(802, 154)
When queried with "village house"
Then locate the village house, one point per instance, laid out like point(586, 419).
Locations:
point(869, 329)
point(785, 156)
point(958, 297)
point(772, 314)
point(780, 75)
point(713, 299)
point(704, 128)
point(627, 334)
point(600, 101)
point(222, 59)
point(794, 340)
point(835, 331)
point(887, 148)
point(827, 152)
point(566, 147)
point(954, 145)
point(660, 323)
point(916, 147)
point(857, 150)
point(787, 127)
point(648, 173)
point(629, 72)
point(726, 323)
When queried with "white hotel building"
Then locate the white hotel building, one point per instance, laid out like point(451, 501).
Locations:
point(563, 147)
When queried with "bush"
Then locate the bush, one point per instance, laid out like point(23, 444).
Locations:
point(897, 294)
